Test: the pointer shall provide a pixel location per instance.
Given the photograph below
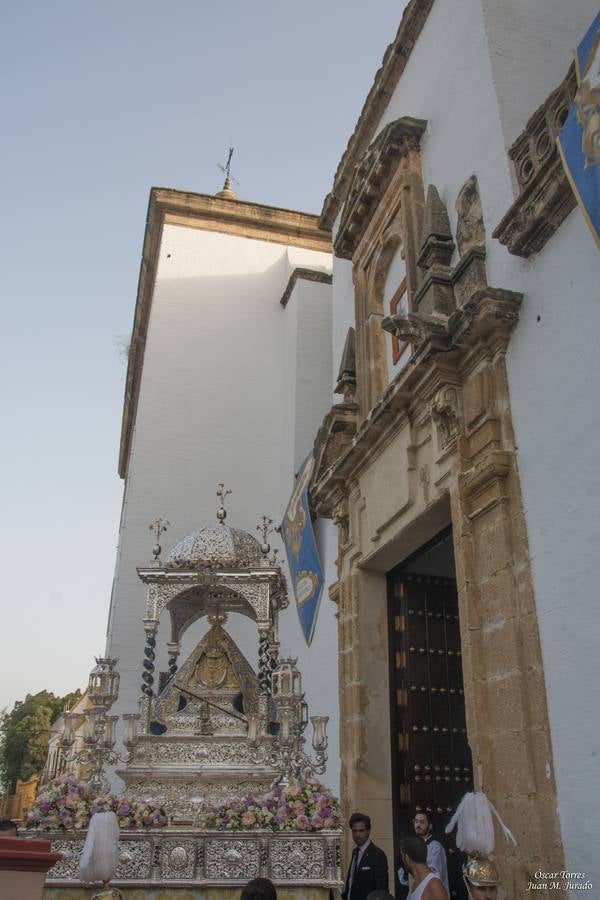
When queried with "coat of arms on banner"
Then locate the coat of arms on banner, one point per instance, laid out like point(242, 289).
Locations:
point(302, 553)
point(579, 140)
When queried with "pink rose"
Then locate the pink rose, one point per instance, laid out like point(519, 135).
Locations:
point(302, 823)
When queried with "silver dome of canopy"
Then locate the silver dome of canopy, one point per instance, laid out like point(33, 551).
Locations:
point(216, 546)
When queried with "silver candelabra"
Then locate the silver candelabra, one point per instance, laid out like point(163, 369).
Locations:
point(99, 729)
point(285, 750)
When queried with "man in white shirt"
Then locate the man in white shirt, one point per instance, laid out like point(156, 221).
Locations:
point(425, 884)
point(436, 855)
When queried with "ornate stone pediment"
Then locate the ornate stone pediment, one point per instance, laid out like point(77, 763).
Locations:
point(372, 177)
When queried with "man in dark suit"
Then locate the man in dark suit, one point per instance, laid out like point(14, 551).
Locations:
point(368, 869)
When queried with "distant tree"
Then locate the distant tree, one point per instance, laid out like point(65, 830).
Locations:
point(24, 735)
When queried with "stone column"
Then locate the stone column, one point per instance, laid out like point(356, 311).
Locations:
point(507, 715)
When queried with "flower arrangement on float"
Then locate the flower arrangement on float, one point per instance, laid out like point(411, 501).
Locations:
point(68, 804)
point(296, 806)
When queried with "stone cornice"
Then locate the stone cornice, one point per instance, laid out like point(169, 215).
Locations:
point(249, 220)
point(545, 197)
point(394, 61)
point(307, 275)
point(371, 179)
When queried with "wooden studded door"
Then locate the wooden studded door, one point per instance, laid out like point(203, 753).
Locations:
point(431, 759)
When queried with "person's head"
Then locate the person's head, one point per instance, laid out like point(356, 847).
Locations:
point(422, 823)
point(8, 828)
point(481, 878)
point(380, 895)
point(259, 889)
point(413, 851)
point(360, 826)
point(482, 891)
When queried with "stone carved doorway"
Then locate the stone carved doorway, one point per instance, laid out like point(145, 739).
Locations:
point(431, 757)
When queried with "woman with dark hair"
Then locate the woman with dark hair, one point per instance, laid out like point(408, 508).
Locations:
point(259, 889)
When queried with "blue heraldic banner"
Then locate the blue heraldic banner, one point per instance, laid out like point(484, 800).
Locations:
point(302, 553)
point(579, 140)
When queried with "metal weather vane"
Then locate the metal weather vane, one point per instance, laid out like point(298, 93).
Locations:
point(226, 169)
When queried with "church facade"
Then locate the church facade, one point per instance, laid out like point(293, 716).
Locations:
point(456, 460)
point(431, 337)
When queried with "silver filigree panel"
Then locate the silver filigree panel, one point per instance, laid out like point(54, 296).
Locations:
point(205, 753)
point(232, 859)
point(68, 867)
point(177, 860)
point(299, 859)
point(135, 860)
point(198, 857)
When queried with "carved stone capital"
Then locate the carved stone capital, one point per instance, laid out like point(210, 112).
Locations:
point(483, 485)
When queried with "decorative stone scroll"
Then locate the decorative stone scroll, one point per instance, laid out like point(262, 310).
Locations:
point(545, 196)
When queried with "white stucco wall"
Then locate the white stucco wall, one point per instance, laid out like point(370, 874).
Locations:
point(307, 375)
point(554, 378)
point(477, 73)
point(224, 363)
point(531, 45)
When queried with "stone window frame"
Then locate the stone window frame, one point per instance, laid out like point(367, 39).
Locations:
point(384, 210)
point(371, 268)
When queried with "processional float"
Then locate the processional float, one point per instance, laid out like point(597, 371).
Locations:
point(212, 728)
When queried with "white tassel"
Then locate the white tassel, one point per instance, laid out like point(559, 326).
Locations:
point(475, 831)
point(101, 849)
point(505, 829)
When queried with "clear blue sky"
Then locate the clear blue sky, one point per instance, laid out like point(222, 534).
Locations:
point(101, 100)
